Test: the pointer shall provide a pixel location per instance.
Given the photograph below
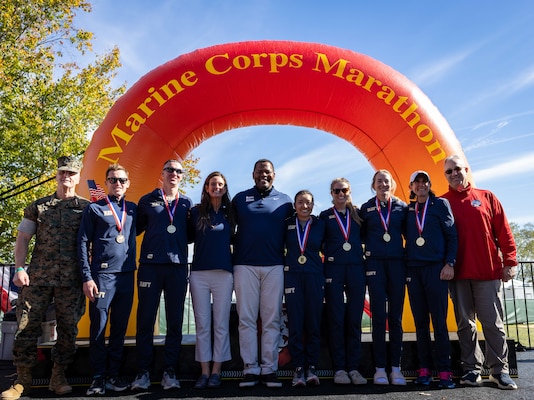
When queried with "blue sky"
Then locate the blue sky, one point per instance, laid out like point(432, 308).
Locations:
point(473, 59)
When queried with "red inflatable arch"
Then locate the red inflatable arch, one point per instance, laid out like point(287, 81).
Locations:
point(173, 108)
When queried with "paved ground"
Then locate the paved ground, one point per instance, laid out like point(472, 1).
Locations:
point(327, 390)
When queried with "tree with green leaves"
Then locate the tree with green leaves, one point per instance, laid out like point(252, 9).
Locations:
point(524, 240)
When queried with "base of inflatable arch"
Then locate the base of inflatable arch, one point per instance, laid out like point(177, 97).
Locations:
point(189, 370)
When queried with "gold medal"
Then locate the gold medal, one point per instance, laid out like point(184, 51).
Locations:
point(386, 236)
point(420, 241)
point(171, 229)
point(302, 259)
point(119, 238)
point(347, 246)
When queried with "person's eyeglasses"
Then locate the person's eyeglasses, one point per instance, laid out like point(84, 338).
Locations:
point(457, 169)
point(170, 170)
point(115, 180)
point(337, 190)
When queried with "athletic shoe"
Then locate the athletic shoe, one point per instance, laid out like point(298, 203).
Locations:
point(424, 378)
point(397, 378)
point(298, 378)
point(471, 378)
point(97, 388)
point(142, 381)
point(116, 384)
point(214, 381)
point(202, 382)
point(445, 380)
point(169, 380)
point(341, 377)
point(380, 378)
point(249, 380)
point(271, 380)
point(503, 381)
point(311, 377)
point(356, 378)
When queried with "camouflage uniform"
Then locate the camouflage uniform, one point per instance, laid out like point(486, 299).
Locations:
point(54, 276)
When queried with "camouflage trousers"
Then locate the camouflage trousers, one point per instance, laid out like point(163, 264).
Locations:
point(32, 304)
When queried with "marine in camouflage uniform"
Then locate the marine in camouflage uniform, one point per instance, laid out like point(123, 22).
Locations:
point(53, 275)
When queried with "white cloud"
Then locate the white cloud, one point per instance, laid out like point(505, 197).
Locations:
point(520, 165)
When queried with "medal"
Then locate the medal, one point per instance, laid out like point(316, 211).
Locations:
point(420, 241)
point(170, 228)
point(118, 221)
point(344, 227)
point(302, 259)
point(385, 221)
point(302, 240)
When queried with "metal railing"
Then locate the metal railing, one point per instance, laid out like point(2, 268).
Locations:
point(518, 306)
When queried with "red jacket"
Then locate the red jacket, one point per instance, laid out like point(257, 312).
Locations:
point(484, 234)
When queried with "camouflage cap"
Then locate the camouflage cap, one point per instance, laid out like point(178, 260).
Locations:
point(67, 163)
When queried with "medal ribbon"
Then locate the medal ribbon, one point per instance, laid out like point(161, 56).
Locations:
point(304, 239)
point(345, 231)
point(385, 222)
point(169, 211)
point(421, 223)
point(118, 221)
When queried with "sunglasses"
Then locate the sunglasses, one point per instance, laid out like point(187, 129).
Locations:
point(337, 190)
point(457, 169)
point(170, 170)
point(115, 180)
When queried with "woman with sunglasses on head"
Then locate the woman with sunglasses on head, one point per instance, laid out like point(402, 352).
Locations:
point(345, 275)
point(211, 279)
point(384, 224)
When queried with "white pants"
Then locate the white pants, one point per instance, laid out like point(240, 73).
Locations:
point(205, 285)
point(259, 291)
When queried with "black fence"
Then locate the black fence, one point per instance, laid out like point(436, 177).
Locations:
point(518, 305)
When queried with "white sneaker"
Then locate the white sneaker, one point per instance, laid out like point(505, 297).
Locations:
point(341, 378)
point(397, 378)
point(169, 380)
point(142, 381)
point(356, 378)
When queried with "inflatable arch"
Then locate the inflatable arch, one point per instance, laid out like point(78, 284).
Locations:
point(173, 108)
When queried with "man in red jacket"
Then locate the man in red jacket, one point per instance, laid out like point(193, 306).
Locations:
point(486, 256)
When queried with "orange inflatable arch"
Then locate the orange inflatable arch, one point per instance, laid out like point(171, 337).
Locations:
point(175, 107)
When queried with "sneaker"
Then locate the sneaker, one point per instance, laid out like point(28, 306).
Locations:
point(271, 380)
point(202, 382)
point(380, 378)
point(142, 381)
point(311, 377)
point(445, 380)
point(97, 388)
point(341, 377)
point(169, 380)
point(214, 381)
point(424, 378)
point(503, 381)
point(249, 380)
point(298, 378)
point(356, 378)
point(117, 384)
point(397, 378)
point(471, 378)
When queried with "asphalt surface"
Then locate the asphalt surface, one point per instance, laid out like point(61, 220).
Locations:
point(327, 389)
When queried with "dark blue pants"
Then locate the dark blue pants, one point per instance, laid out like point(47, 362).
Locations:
point(115, 303)
point(386, 280)
point(152, 280)
point(345, 319)
point(429, 298)
point(304, 293)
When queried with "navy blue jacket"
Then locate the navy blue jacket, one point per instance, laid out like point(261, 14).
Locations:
point(212, 245)
point(439, 232)
point(260, 226)
point(98, 251)
point(373, 230)
point(334, 240)
point(160, 246)
point(314, 262)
